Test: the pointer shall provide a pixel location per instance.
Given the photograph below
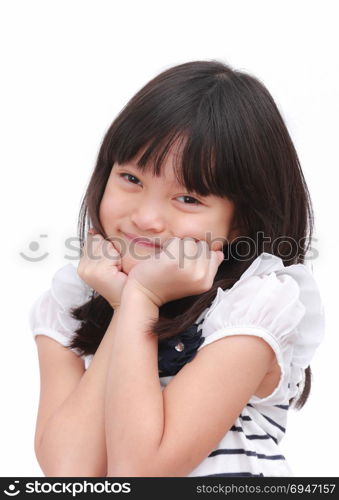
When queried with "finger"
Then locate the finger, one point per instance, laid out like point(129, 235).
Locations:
point(181, 246)
point(198, 251)
point(221, 256)
point(215, 260)
point(110, 252)
point(170, 249)
point(203, 248)
point(104, 250)
point(189, 248)
point(115, 244)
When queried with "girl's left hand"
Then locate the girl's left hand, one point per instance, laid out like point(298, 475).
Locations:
point(189, 269)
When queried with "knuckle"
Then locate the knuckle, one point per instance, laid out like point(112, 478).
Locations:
point(87, 272)
point(200, 276)
point(205, 286)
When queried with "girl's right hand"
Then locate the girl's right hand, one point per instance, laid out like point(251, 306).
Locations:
point(100, 268)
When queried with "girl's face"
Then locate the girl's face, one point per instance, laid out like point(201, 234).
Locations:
point(158, 208)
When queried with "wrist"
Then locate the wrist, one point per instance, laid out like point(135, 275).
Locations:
point(135, 289)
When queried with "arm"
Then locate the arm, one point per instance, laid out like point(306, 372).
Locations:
point(134, 414)
point(155, 433)
point(73, 440)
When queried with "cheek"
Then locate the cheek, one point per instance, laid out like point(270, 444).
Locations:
point(212, 232)
point(220, 233)
point(109, 211)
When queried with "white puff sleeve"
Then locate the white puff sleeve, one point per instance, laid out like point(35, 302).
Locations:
point(50, 313)
point(282, 305)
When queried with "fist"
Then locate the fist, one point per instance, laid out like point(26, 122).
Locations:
point(184, 267)
point(100, 268)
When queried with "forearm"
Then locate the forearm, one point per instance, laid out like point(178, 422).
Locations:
point(134, 415)
point(73, 443)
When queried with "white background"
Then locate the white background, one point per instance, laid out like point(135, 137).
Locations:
point(67, 69)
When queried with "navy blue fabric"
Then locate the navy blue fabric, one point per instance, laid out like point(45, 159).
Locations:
point(170, 360)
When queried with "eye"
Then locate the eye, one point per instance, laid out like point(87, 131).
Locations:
point(130, 175)
point(195, 202)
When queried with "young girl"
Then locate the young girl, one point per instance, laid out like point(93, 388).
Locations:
point(178, 345)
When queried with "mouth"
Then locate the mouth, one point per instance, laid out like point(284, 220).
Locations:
point(142, 241)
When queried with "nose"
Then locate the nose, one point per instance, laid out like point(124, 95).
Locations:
point(149, 216)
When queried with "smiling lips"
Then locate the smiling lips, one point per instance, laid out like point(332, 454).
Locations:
point(145, 241)
point(142, 241)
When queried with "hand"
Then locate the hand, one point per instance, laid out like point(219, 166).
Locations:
point(189, 269)
point(100, 268)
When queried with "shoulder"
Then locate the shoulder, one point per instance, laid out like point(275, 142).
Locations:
point(68, 288)
point(281, 305)
point(50, 313)
point(268, 294)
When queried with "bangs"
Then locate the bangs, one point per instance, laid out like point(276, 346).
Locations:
point(197, 137)
point(194, 163)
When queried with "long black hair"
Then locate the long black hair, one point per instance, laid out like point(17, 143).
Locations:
point(235, 145)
